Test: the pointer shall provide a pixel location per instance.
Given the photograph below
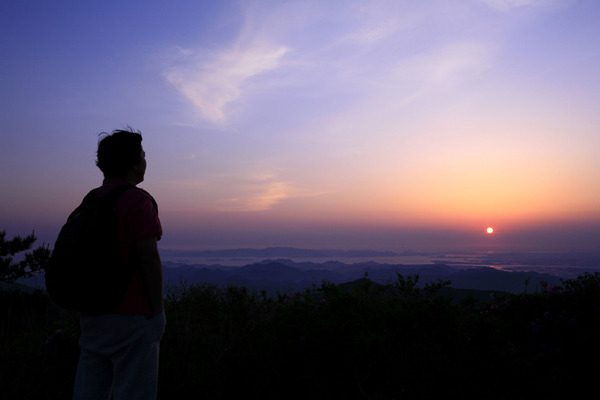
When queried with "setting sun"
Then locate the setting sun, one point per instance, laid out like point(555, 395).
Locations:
point(489, 230)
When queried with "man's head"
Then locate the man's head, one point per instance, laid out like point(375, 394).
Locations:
point(121, 156)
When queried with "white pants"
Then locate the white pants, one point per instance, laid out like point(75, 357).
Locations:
point(119, 355)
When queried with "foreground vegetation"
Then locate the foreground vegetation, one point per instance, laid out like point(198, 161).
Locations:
point(359, 341)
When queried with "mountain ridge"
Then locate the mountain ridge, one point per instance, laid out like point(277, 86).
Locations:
point(285, 274)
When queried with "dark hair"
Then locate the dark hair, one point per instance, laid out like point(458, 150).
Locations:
point(119, 151)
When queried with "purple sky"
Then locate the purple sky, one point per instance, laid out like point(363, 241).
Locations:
point(351, 124)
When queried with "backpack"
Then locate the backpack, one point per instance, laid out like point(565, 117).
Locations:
point(85, 272)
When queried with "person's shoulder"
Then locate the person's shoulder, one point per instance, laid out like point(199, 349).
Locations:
point(138, 191)
point(135, 196)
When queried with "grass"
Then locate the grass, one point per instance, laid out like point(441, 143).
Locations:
point(358, 341)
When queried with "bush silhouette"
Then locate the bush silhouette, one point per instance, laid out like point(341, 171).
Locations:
point(359, 340)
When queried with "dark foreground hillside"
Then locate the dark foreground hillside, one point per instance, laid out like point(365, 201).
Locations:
point(354, 341)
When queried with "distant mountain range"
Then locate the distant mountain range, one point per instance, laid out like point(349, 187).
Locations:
point(284, 275)
point(278, 273)
point(286, 252)
point(582, 259)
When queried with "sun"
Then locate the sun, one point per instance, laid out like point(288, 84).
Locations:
point(489, 230)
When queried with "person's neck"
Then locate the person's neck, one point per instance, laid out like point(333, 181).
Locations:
point(133, 177)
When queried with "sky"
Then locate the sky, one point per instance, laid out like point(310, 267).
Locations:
point(326, 124)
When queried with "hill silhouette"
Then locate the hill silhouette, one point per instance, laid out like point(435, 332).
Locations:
point(286, 275)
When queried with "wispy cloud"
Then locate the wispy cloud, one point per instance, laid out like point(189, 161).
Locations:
point(508, 5)
point(444, 67)
point(425, 76)
point(256, 196)
point(233, 192)
point(333, 55)
point(212, 81)
point(257, 191)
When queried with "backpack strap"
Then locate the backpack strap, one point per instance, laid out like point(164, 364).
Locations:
point(111, 197)
point(90, 197)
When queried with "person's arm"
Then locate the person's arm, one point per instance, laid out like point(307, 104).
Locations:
point(151, 273)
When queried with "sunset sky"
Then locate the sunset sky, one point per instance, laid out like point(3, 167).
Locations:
point(346, 124)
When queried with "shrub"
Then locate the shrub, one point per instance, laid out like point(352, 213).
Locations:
point(359, 340)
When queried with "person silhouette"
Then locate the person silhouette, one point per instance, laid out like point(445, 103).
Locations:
point(119, 350)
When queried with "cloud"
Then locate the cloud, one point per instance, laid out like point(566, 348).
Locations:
point(452, 63)
point(258, 195)
point(449, 68)
point(509, 5)
point(343, 52)
point(231, 192)
point(212, 81)
point(254, 192)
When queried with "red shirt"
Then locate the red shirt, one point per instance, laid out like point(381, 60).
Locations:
point(138, 220)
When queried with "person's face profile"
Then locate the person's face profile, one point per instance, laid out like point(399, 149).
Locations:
point(140, 169)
